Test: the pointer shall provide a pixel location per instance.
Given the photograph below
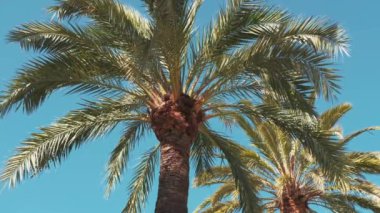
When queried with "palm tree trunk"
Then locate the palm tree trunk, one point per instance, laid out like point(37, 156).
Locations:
point(175, 124)
point(291, 205)
point(174, 178)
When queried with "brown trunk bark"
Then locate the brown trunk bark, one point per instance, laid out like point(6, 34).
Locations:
point(291, 205)
point(175, 124)
point(174, 178)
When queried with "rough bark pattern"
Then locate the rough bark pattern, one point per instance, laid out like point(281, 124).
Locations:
point(293, 201)
point(175, 124)
point(290, 205)
point(174, 179)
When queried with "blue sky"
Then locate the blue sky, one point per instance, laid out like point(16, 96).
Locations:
point(78, 184)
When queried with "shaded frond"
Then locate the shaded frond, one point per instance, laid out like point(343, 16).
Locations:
point(202, 153)
point(367, 203)
point(41, 77)
point(141, 183)
point(337, 203)
point(246, 186)
point(228, 32)
point(319, 33)
point(54, 37)
point(134, 131)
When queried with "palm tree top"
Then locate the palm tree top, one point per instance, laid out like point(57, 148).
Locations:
point(286, 174)
point(161, 54)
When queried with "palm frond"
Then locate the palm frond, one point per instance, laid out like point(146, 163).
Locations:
point(252, 158)
point(367, 203)
point(118, 27)
point(54, 37)
point(202, 153)
point(227, 207)
point(365, 162)
point(42, 76)
point(319, 33)
point(246, 186)
point(320, 143)
point(171, 36)
point(337, 203)
point(366, 188)
point(348, 138)
point(345, 203)
point(222, 192)
point(122, 18)
point(291, 72)
point(303, 59)
point(228, 32)
point(141, 183)
point(216, 174)
point(330, 117)
point(54, 143)
point(134, 131)
point(203, 205)
point(230, 28)
point(295, 60)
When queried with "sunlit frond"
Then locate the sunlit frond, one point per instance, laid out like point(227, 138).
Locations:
point(348, 138)
point(366, 188)
point(227, 207)
point(216, 174)
point(329, 118)
point(223, 192)
point(54, 143)
point(123, 19)
point(367, 162)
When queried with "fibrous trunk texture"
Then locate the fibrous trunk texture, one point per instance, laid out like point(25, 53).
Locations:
point(293, 206)
point(293, 201)
point(175, 124)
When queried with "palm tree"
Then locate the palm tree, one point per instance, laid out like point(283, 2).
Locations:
point(288, 177)
point(155, 72)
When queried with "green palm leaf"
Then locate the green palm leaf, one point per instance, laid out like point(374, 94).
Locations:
point(282, 168)
point(134, 131)
point(247, 191)
point(54, 143)
point(142, 181)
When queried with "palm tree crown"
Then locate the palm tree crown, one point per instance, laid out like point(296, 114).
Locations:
point(156, 73)
point(289, 178)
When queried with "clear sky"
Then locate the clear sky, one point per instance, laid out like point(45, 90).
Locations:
point(78, 184)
